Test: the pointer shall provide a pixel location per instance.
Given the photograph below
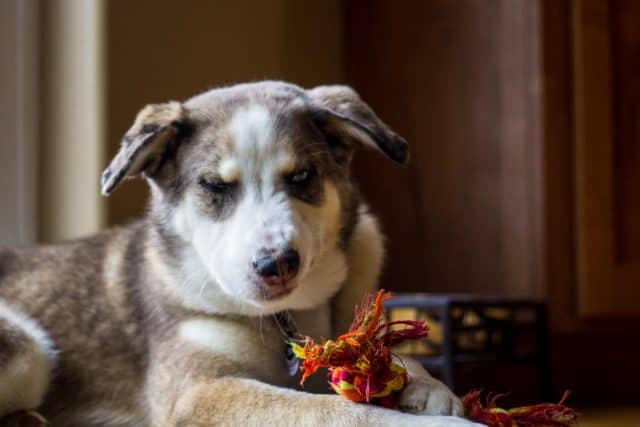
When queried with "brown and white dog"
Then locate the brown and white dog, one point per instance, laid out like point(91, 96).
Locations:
point(169, 321)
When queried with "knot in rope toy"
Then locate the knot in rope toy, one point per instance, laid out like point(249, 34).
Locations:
point(360, 362)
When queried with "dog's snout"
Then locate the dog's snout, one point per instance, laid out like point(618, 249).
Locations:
point(283, 265)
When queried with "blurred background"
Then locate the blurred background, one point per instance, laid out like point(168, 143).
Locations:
point(523, 118)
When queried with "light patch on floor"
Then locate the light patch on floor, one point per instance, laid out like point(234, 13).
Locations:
point(610, 417)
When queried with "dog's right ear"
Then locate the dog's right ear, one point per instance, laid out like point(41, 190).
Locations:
point(157, 130)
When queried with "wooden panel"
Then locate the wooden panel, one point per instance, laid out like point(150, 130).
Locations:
point(599, 368)
point(558, 165)
point(460, 81)
point(606, 280)
point(579, 344)
point(626, 95)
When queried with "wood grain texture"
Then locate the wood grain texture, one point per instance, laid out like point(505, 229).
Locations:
point(460, 81)
point(625, 15)
point(595, 357)
point(606, 163)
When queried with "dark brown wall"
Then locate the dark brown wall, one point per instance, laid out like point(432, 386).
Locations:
point(157, 51)
point(459, 80)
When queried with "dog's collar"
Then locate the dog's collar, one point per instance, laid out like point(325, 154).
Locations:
point(284, 322)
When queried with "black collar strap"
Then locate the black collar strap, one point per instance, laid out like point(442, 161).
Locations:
point(284, 322)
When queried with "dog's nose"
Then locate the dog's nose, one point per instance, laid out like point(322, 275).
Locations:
point(277, 266)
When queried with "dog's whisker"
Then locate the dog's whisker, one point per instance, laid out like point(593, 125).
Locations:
point(279, 325)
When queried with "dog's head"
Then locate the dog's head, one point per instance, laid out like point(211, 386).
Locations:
point(250, 188)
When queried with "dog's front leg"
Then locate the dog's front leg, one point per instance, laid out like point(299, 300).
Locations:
point(232, 401)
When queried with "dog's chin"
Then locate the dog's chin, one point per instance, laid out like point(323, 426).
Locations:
point(279, 294)
point(253, 297)
point(274, 297)
point(292, 297)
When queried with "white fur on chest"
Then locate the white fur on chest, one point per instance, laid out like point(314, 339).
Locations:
point(255, 345)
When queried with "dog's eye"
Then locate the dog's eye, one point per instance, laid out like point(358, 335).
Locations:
point(299, 177)
point(216, 185)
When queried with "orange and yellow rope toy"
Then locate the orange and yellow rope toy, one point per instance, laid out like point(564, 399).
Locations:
point(362, 369)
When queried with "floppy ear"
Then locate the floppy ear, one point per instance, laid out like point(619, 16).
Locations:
point(345, 115)
point(157, 130)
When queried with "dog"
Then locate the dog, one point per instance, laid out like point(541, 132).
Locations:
point(171, 320)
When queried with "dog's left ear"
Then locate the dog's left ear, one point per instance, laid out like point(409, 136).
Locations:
point(155, 134)
point(345, 115)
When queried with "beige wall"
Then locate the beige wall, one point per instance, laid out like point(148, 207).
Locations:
point(157, 50)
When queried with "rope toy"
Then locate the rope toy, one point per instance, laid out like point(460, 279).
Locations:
point(360, 363)
point(362, 368)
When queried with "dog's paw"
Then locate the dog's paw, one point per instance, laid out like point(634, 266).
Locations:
point(428, 396)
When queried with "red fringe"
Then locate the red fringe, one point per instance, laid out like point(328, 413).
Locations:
point(369, 339)
point(370, 336)
point(541, 415)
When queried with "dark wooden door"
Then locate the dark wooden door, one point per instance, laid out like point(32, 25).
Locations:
point(606, 76)
point(460, 81)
